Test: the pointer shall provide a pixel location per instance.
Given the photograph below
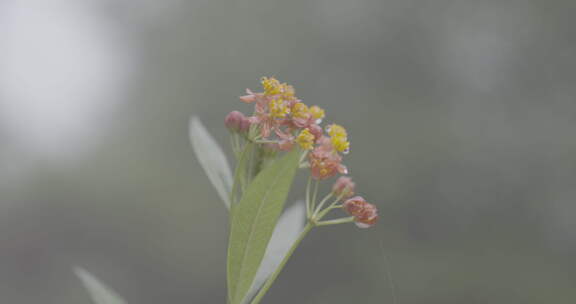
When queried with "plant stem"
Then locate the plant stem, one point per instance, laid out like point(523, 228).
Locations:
point(274, 275)
point(308, 203)
point(332, 206)
point(314, 195)
point(336, 221)
point(303, 157)
point(262, 141)
point(326, 198)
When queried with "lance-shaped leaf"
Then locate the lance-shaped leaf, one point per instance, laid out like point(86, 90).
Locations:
point(99, 293)
point(253, 222)
point(212, 159)
point(285, 234)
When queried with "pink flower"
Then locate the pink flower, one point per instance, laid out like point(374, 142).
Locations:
point(301, 116)
point(325, 162)
point(365, 214)
point(354, 205)
point(264, 116)
point(344, 186)
point(368, 217)
point(233, 121)
point(245, 124)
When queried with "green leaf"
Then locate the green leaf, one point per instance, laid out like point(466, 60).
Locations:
point(100, 293)
point(285, 234)
point(212, 159)
point(240, 176)
point(253, 222)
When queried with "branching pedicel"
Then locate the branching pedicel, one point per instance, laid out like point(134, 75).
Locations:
point(282, 124)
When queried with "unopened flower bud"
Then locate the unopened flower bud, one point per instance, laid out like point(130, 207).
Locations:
point(234, 121)
point(365, 214)
point(344, 187)
point(245, 124)
point(368, 217)
point(354, 205)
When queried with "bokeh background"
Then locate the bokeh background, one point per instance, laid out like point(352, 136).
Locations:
point(462, 117)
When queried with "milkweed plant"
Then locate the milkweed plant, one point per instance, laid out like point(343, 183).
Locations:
point(281, 136)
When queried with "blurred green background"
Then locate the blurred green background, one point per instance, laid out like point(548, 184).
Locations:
point(462, 118)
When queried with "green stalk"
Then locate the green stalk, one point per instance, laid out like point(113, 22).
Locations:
point(314, 195)
point(323, 213)
point(308, 203)
point(336, 221)
point(326, 198)
point(274, 275)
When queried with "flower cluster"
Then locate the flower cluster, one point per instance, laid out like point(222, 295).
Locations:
point(281, 121)
point(279, 112)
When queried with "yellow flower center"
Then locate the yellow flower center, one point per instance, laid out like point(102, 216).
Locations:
point(337, 130)
point(300, 110)
point(339, 138)
point(273, 87)
point(317, 112)
point(278, 108)
point(305, 139)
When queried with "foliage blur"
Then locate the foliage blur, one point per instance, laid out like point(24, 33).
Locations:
point(461, 116)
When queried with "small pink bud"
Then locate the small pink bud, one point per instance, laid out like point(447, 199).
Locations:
point(368, 217)
point(354, 205)
point(344, 186)
point(234, 121)
point(245, 124)
point(365, 214)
